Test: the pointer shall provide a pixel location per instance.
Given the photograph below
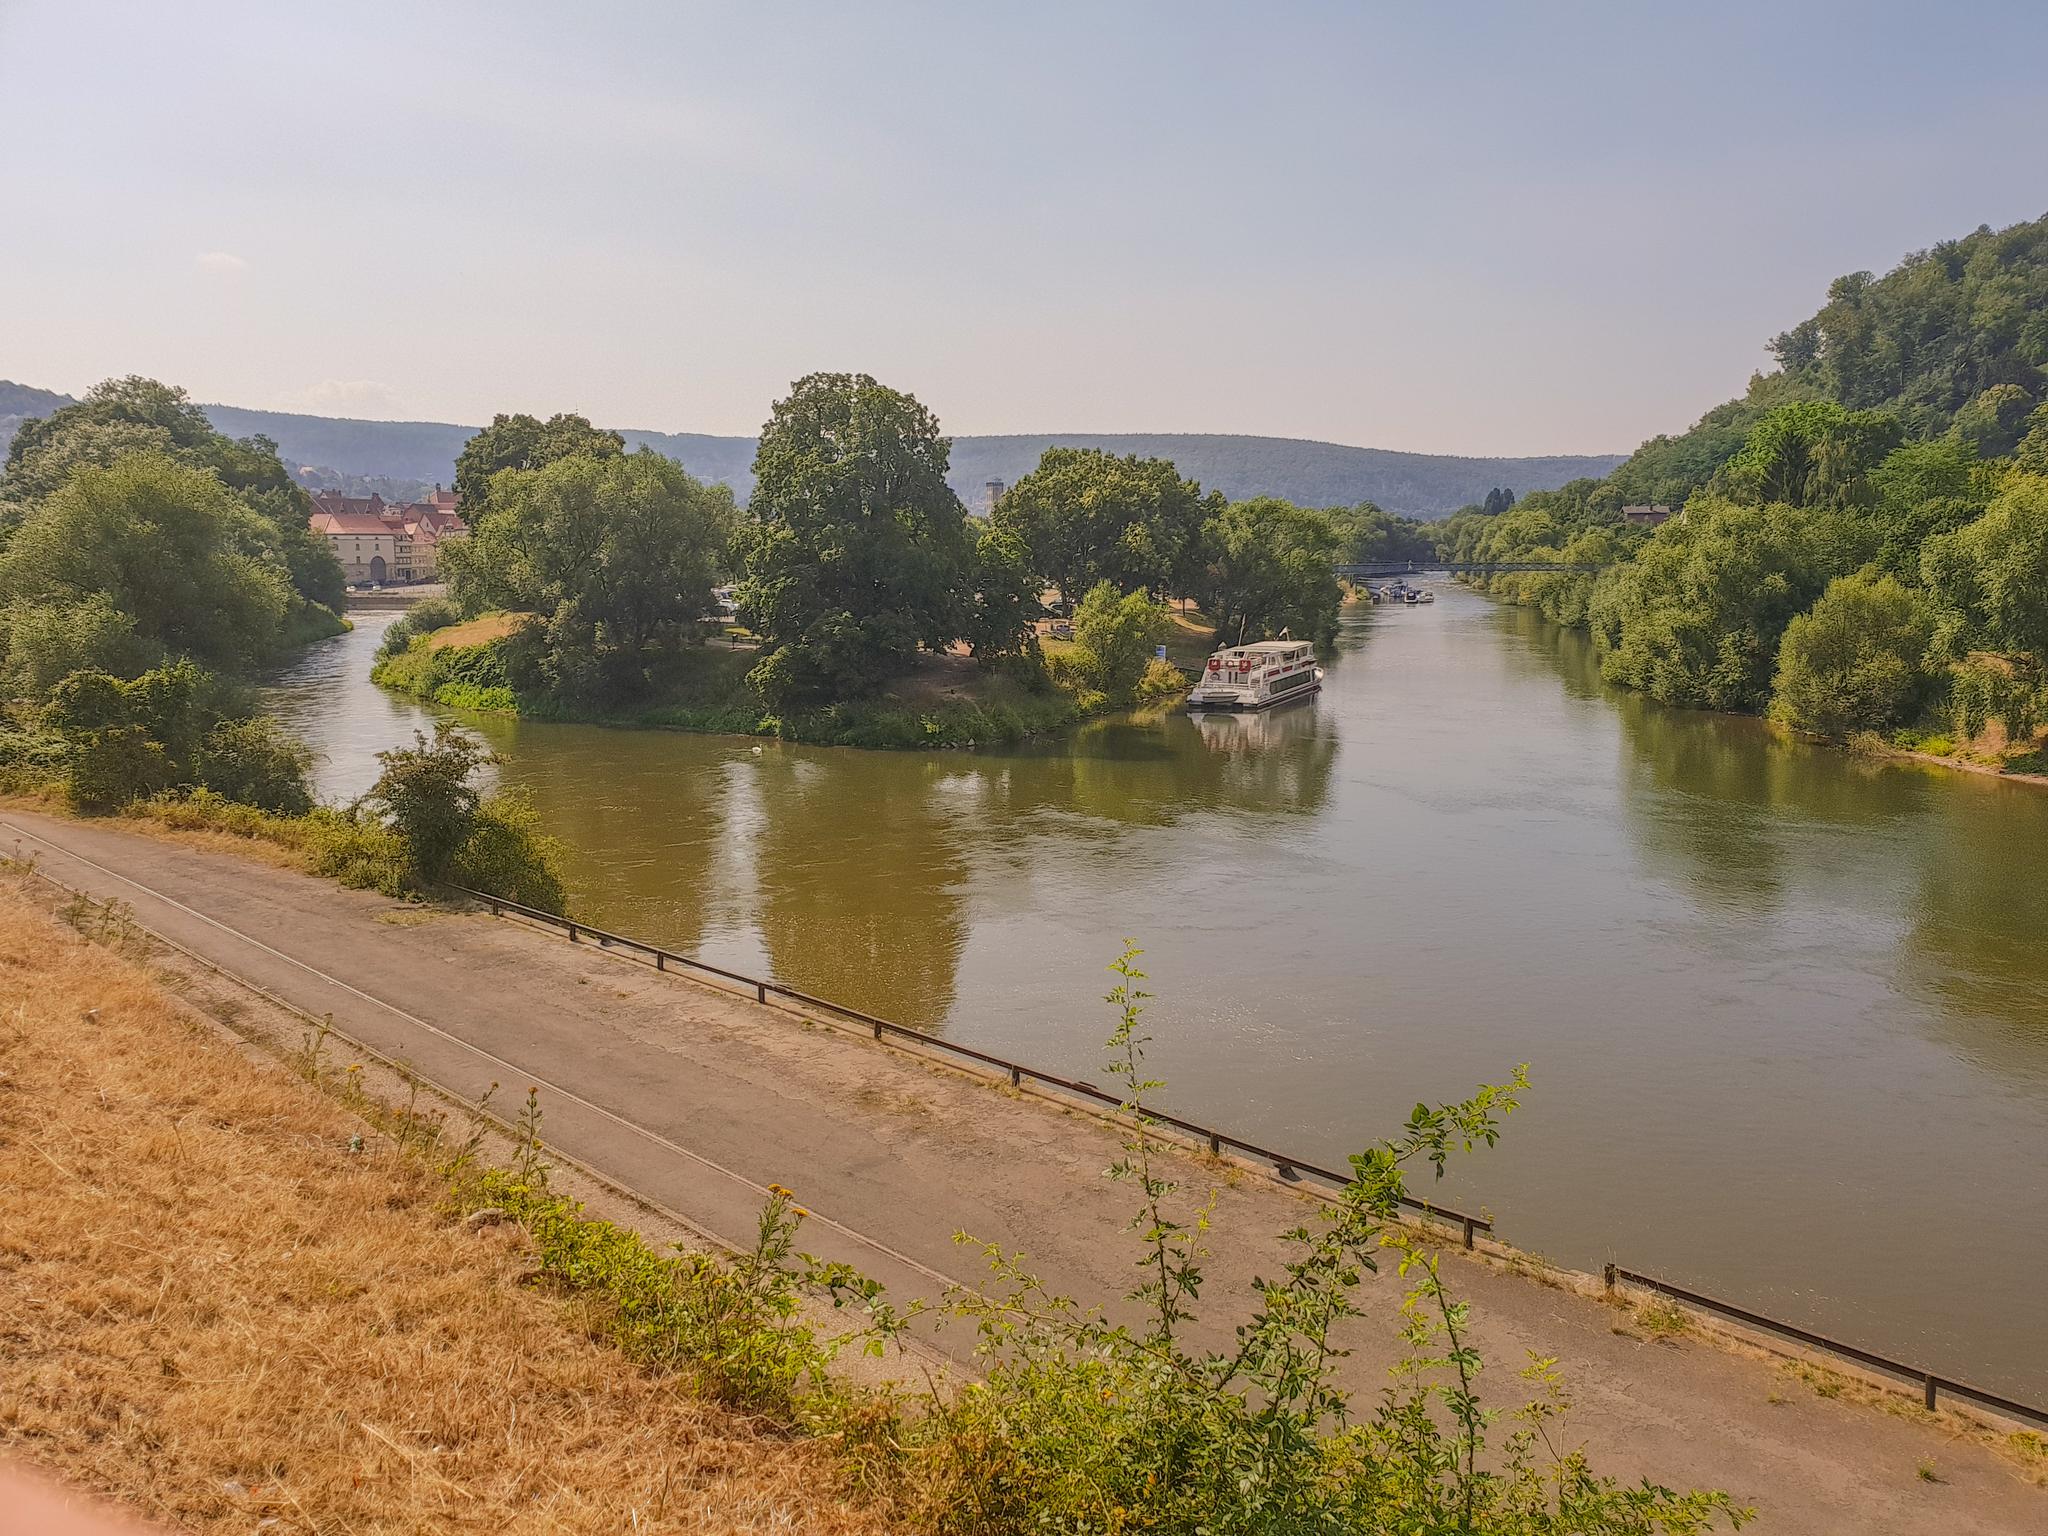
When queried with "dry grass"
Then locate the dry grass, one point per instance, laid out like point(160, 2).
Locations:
point(216, 1313)
point(480, 630)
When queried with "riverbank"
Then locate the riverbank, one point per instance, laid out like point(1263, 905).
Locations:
point(942, 701)
point(616, 1048)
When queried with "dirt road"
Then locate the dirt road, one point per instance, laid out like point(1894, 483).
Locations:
point(700, 1099)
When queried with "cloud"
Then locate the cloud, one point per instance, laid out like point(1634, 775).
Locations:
point(351, 397)
point(220, 261)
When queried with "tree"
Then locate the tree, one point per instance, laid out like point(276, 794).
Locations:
point(1920, 490)
point(1990, 578)
point(1856, 660)
point(1088, 516)
point(428, 793)
point(1267, 569)
point(136, 415)
point(858, 551)
point(618, 554)
point(1366, 535)
point(193, 569)
point(1696, 618)
point(1116, 636)
point(524, 442)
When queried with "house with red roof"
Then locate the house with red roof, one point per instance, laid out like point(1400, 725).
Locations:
point(379, 542)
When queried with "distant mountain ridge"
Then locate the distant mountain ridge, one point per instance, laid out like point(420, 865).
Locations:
point(1309, 473)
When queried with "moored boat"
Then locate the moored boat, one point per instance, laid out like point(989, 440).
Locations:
point(1257, 676)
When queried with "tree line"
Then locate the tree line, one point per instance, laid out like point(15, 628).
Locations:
point(1862, 539)
point(853, 556)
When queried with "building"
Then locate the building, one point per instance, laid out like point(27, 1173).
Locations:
point(991, 493)
point(379, 542)
point(1646, 517)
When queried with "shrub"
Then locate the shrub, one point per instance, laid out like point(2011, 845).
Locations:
point(507, 854)
point(257, 762)
point(427, 795)
point(1855, 661)
point(421, 619)
point(1117, 635)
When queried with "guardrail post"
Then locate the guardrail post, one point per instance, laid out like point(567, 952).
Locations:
point(760, 992)
point(1215, 1145)
point(496, 910)
point(878, 1029)
point(572, 933)
point(1930, 1394)
point(1468, 1231)
point(661, 959)
point(1016, 1077)
point(1608, 1274)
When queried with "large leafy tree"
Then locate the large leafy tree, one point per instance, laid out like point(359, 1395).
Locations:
point(1087, 516)
point(1267, 568)
point(194, 571)
point(521, 441)
point(617, 554)
point(1990, 578)
point(1855, 660)
point(133, 415)
point(857, 551)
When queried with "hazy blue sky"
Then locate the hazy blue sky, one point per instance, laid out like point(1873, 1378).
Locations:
point(1488, 228)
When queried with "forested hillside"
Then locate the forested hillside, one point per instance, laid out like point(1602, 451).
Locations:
point(1862, 539)
point(345, 452)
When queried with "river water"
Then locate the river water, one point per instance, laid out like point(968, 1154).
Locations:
point(1785, 1011)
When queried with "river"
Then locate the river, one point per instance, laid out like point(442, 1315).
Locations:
point(1785, 1010)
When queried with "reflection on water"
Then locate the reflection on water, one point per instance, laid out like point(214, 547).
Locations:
point(1782, 1006)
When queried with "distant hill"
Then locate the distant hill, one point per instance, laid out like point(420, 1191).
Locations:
point(334, 449)
point(23, 402)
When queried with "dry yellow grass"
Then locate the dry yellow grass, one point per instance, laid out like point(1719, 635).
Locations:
point(216, 1313)
point(478, 631)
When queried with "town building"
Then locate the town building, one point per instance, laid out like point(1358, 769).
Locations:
point(1646, 517)
point(380, 542)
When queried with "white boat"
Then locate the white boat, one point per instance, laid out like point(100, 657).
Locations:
point(1427, 596)
point(1257, 676)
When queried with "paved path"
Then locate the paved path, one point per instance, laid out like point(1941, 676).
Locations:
point(699, 1099)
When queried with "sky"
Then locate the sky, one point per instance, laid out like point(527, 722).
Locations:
point(1489, 228)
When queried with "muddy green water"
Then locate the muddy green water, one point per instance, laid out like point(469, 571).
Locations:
point(1786, 1012)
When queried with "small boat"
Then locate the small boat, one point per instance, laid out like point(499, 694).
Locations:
point(1411, 597)
point(1257, 676)
point(1428, 596)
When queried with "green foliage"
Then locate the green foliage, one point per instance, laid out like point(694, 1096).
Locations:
point(176, 728)
point(1990, 577)
point(1696, 618)
point(1116, 637)
point(1084, 517)
point(123, 417)
point(1267, 570)
point(857, 551)
point(422, 618)
point(193, 570)
point(1813, 453)
point(44, 642)
point(2031, 454)
point(1984, 688)
point(1005, 601)
point(523, 442)
point(427, 794)
point(507, 853)
point(1855, 661)
point(617, 554)
point(1366, 535)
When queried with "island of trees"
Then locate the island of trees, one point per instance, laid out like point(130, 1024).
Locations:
point(1861, 542)
point(871, 609)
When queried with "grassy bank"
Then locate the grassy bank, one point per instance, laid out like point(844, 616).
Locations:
point(230, 1304)
point(942, 701)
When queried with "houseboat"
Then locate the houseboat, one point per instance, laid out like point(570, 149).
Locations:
point(1257, 676)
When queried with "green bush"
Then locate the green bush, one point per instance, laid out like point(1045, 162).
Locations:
point(257, 762)
point(421, 619)
point(508, 854)
point(1855, 661)
point(427, 795)
point(1116, 636)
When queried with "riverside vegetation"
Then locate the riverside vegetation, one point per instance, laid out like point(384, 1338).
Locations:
point(726, 1407)
point(1862, 546)
point(872, 611)
point(149, 567)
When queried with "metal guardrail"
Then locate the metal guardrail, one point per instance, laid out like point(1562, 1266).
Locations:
point(1286, 1166)
point(1930, 1384)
